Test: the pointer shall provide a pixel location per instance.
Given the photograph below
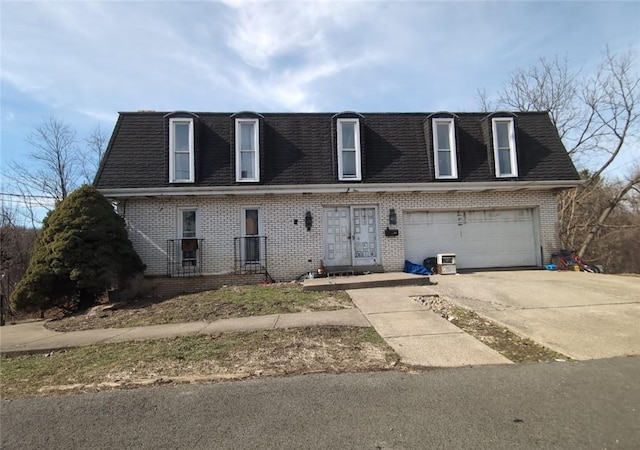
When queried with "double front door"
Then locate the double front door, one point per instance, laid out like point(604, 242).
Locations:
point(351, 236)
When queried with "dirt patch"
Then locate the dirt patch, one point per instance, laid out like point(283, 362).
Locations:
point(497, 337)
point(209, 306)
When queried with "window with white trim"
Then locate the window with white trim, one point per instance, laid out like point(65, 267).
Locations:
point(444, 148)
point(247, 150)
point(349, 149)
point(181, 160)
point(504, 147)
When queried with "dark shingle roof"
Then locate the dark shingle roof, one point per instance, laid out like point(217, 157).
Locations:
point(299, 148)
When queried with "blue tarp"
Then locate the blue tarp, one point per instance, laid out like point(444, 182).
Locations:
point(417, 269)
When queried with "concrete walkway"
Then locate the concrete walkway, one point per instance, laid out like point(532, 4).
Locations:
point(420, 336)
point(33, 337)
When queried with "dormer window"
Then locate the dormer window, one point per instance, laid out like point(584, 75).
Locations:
point(444, 148)
point(181, 160)
point(504, 147)
point(349, 149)
point(247, 150)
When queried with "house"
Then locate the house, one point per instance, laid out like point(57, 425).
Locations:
point(224, 194)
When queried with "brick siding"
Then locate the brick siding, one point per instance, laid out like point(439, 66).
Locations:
point(170, 287)
point(292, 250)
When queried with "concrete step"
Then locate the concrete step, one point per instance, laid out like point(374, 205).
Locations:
point(372, 280)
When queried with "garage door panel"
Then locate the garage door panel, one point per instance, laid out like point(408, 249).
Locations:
point(491, 238)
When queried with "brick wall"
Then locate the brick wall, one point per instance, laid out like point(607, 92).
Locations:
point(170, 287)
point(292, 250)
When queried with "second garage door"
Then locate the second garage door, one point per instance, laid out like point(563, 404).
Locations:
point(480, 239)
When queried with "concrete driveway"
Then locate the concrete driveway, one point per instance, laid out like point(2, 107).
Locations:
point(583, 315)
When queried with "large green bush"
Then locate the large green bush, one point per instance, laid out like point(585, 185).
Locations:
point(82, 251)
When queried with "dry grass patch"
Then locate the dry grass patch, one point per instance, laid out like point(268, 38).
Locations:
point(508, 344)
point(196, 358)
point(224, 303)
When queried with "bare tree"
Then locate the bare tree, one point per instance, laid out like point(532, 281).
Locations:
point(96, 145)
point(548, 86)
point(597, 118)
point(16, 244)
point(53, 170)
point(612, 101)
point(56, 166)
point(613, 202)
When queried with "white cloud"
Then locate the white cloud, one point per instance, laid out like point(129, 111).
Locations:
point(285, 48)
point(86, 61)
point(100, 116)
point(262, 32)
point(99, 58)
point(105, 57)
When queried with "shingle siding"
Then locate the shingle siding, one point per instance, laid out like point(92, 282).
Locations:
point(299, 149)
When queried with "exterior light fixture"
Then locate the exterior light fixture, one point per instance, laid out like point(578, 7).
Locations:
point(393, 218)
point(308, 220)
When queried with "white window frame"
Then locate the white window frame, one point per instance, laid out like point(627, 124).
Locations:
point(172, 151)
point(453, 160)
point(243, 217)
point(181, 225)
point(512, 147)
point(358, 175)
point(256, 150)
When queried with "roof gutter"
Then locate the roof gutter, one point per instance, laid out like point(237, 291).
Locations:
point(502, 186)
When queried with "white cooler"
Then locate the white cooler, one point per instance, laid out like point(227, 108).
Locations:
point(446, 263)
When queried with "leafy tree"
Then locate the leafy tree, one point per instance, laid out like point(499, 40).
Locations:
point(82, 251)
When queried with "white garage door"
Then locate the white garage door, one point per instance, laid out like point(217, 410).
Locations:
point(500, 238)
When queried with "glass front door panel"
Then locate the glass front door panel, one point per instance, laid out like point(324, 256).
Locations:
point(337, 237)
point(365, 236)
point(189, 243)
point(251, 243)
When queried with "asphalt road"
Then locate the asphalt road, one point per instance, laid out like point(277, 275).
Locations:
point(589, 404)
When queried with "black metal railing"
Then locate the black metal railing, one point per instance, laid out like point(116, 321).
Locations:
point(250, 254)
point(184, 257)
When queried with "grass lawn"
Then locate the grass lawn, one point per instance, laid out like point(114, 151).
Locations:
point(224, 303)
point(196, 358)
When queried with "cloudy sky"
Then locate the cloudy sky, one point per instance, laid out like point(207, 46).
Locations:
point(85, 61)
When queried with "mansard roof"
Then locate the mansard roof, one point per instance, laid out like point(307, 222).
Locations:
point(299, 149)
